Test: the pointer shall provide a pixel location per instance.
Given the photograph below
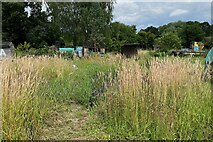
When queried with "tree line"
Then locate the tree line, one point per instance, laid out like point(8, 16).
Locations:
point(90, 25)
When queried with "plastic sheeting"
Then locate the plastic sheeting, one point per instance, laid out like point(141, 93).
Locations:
point(209, 57)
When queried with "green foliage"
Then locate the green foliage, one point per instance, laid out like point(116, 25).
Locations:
point(41, 51)
point(146, 39)
point(169, 41)
point(86, 23)
point(41, 36)
point(159, 54)
point(206, 27)
point(176, 27)
point(79, 84)
point(14, 22)
point(67, 55)
point(41, 30)
point(153, 30)
point(208, 42)
point(188, 31)
point(192, 32)
point(35, 28)
point(115, 45)
point(24, 47)
point(121, 34)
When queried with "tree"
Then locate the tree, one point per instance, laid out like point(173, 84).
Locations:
point(39, 36)
point(14, 22)
point(37, 16)
point(192, 32)
point(153, 30)
point(95, 23)
point(208, 42)
point(18, 27)
point(146, 39)
point(121, 34)
point(176, 27)
point(206, 27)
point(87, 23)
point(168, 41)
point(211, 30)
point(188, 31)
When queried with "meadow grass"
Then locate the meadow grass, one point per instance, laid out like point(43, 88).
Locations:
point(142, 98)
point(23, 108)
point(33, 86)
point(166, 101)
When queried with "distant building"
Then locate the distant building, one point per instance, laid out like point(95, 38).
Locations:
point(6, 49)
point(79, 51)
point(130, 50)
point(87, 51)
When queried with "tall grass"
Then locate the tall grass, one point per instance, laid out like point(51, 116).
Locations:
point(23, 108)
point(82, 82)
point(166, 101)
point(32, 87)
point(152, 99)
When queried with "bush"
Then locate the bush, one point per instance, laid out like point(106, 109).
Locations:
point(25, 49)
point(160, 54)
point(22, 49)
point(41, 51)
point(67, 55)
point(168, 41)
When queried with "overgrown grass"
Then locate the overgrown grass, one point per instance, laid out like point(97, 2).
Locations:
point(81, 82)
point(170, 101)
point(23, 109)
point(31, 86)
point(142, 98)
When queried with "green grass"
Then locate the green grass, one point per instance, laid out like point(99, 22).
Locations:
point(79, 84)
point(153, 109)
point(142, 99)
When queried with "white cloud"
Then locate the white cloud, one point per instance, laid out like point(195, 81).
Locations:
point(157, 10)
point(127, 12)
point(144, 14)
point(178, 12)
point(130, 1)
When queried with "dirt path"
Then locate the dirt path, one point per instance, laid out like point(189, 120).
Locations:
point(71, 122)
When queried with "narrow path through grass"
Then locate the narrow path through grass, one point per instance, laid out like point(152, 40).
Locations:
point(72, 122)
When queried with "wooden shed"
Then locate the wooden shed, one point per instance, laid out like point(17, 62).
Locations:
point(130, 50)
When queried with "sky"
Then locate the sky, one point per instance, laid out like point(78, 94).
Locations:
point(145, 14)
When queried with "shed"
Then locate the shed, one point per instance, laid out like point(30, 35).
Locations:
point(6, 49)
point(130, 50)
point(79, 50)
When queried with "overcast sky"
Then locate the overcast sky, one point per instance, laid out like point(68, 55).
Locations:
point(144, 14)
